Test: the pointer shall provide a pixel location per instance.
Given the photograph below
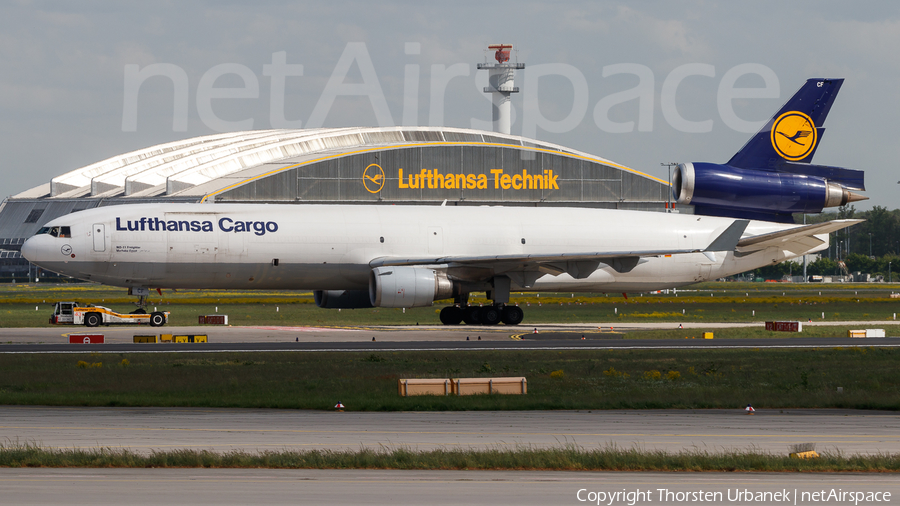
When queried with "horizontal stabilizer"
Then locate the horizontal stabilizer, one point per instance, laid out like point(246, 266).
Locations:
point(779, 238)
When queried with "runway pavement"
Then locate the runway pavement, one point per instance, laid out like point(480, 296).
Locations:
point(148, 429)
point(401, 488)
point(398, 333)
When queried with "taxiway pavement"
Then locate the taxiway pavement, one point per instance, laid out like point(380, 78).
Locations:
point(401, 488)
point(253, 430)
point(146, 429)
point(397, 333)
point(397, 338)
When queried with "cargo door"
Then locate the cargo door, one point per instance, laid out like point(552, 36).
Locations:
point(99, 233)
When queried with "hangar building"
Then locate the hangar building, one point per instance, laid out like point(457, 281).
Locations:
point(408, 165)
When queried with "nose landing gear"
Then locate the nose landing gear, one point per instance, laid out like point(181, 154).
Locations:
point(142, 293)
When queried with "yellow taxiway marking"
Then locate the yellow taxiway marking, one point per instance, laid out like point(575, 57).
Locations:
point(521, 337)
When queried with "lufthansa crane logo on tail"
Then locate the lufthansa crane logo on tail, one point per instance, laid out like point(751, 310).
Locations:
point(373, 178)
point(794, 135)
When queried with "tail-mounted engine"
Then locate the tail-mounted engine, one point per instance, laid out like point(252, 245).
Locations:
point(723, 190)
point(772, 176)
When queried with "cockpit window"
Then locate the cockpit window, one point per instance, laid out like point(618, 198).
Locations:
point(56, 231)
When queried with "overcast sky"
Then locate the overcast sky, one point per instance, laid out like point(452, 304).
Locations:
point(64, 75)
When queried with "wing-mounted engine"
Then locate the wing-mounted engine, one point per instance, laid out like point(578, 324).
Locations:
point(342, 299)
point(408, 286)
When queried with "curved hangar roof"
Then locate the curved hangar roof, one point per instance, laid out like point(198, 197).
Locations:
point(356, 165)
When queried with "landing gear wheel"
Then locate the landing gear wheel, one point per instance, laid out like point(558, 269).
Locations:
point(490, 315)
point(472, 315)
point(451, 315)
point(157, 319)
point(512, 315)
point(93, 320)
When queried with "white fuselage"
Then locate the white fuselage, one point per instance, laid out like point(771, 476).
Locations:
point(330, 247)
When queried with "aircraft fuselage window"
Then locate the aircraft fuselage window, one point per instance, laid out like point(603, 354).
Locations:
point(65, 232)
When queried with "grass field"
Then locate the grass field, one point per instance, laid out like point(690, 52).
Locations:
point(585, 379)
point(569, 458)
point(716, 302)
point(367, 381)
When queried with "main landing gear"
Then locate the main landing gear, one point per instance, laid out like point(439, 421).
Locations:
point(482, 315)
point(493, 314)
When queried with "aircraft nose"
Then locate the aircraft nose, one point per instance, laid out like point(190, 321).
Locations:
point(29, 249)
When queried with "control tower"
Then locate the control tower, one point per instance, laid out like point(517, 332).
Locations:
point(501, 79)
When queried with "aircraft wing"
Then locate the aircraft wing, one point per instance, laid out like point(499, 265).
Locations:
point(578, 264)
point(803, 237)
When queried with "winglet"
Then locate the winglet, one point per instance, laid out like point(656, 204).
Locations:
point(728, 240)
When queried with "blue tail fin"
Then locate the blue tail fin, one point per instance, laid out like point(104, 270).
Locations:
point(793, 134)
point(771, 178)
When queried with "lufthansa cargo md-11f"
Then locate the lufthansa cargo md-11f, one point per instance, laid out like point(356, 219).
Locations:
point(356, 256)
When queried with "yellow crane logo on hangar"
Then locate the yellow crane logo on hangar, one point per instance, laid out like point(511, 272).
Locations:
point(373, 178)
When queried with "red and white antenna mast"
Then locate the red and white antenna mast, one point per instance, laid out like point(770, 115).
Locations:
point(502, 85)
